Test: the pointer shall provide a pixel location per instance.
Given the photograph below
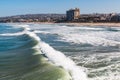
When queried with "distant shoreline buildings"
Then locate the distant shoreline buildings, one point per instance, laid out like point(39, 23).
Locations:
point(72, 15)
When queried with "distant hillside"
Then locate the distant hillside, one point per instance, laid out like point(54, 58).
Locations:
point(33, 18)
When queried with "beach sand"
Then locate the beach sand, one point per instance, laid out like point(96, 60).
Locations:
point(94, 24)
point(78, 24)
point(84, 24)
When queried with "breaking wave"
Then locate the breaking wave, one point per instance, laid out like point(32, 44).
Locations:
point(60, 59)
point(54, 56)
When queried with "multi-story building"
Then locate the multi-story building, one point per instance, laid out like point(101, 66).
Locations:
point(73, 14)
point(115, 18)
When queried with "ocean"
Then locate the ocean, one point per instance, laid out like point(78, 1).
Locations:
point(59, 52)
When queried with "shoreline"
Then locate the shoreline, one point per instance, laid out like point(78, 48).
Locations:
point(93, 24)
point(73, 24)
point(83, 24)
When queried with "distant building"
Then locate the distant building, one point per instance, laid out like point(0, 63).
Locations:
point(115, 18)
point(73, 14)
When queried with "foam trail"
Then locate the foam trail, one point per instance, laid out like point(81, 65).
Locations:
point(13, 34)
point(18, 33)
point(60, 59)
point(87, 39)
point(82, 35)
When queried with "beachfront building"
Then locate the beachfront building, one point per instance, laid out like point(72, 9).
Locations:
point(115, 18)
point(73, 14)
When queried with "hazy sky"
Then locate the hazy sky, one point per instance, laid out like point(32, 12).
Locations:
point(16, 7)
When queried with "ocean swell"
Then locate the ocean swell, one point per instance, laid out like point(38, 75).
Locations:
point(59, 59)
point(35, 49)
point(20, 59)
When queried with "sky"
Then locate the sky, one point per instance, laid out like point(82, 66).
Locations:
point(18, 7)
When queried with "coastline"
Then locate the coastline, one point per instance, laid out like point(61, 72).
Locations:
point(94, 24)
point(83, 24)
point(74, 24)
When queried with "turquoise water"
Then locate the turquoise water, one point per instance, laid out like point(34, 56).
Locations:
point(20, 61)
point(59, 52)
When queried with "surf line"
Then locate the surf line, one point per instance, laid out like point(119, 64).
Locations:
point(58, 58)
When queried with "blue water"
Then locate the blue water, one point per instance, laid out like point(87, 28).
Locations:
point(20, 61)
point(59, 52)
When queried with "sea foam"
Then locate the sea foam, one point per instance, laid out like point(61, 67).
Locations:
point(58, 58)
point(83, 35)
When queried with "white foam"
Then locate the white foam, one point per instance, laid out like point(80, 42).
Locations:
point(87, 39)
point(13, 34)
point(60, 59)
point(110, 71)
point(76, 35)
point(43, 32)
point(83, 35)
point(26, 29)
point(111, 77)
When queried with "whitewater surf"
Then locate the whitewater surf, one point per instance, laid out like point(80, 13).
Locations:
point(59, 52)
point(45, 63)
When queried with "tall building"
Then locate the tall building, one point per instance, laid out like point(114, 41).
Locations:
point(73, 14)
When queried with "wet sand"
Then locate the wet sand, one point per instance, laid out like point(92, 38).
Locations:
point(94, 24)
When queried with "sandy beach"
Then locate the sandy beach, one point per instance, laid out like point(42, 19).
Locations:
point(77, 24)
point(94, 24)
point(84, 24)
